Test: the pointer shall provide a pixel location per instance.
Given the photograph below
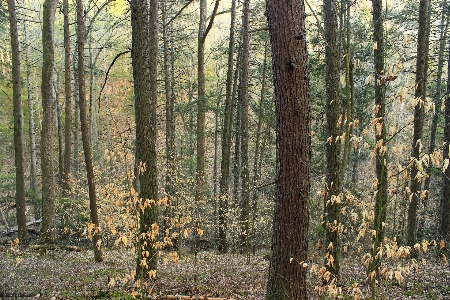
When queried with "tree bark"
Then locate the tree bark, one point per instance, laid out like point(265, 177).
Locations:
point(444, 209)
point(48, 230)
point(287, 272)
point(332, 202)
point(96, 238)
point(381, 197)
point(420, 87)
point(245, 200)
point(144, 63)
point(68, 105)
point(18, 125)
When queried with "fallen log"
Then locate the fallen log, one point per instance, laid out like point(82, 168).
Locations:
point(15, 228)
point(180, 297)
point(46, 247)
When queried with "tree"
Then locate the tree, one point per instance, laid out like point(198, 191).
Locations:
point(18, 124)
point(444, 209)
point(68, 95)
point(420, 88)
point(226, 139)
point(245, 198)
point(287, 272)
point(96, 237)
point(332, 202)
point(144, 64)
point(48, 231)
point(381, 199)
point(203, 31)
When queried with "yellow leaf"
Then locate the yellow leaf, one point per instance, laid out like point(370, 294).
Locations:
point(442, 244)
point(124, 240)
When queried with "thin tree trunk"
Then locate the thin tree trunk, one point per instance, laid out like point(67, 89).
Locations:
point(68, 106)
point(257, 161)
point(332, 202)
point(59, 130)
point(420, 88)
point(203, 31)
point(48, 230)
point(437, 95)
point(287, 271)
point(226, 139)
point(18, 124)
point(32, 133)
point(245, 200)
point(96, 238)
point(76, 121)
point(170, 121)
point(380, 137)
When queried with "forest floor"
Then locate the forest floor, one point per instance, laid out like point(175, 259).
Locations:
point(60, 274)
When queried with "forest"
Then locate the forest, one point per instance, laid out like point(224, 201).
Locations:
point(181, 149)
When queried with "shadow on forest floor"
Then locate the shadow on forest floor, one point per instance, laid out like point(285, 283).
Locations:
point(59, 274)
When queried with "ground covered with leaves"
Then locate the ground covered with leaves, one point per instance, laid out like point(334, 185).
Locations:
point(62, 274)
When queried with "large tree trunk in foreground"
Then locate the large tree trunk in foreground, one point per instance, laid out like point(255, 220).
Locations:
point(444, 217)
point(96, 236)
point(18, 124)
point(287, 272)
point(48, 231)
point(144, 63)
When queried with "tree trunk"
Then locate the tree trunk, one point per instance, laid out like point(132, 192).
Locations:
point(18, 124)
point(76, 121)
point(287, 272)
point(332, 202)
point(437, 96)
point(245, 200)
point(48, 230)
point(257, 158)
point(444, 213)
point(68, 106)
point(59, 130)
point(420, 87)
point(96, 238)
point(144, 63)
point(203, 31)
point(226, 139)
point(381, 197)
point(170, 121)
point(32, 133)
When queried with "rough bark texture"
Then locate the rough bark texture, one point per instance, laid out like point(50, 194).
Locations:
point(381, 199)
point(444, 213)
point(18, 124)
point(287, 276)
point(96, 237)
point(48, 231)
point(226, 140)
point(68, 95)
point(245, 200)
point(144, 63)
point(332, 201)
point(420, 86)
